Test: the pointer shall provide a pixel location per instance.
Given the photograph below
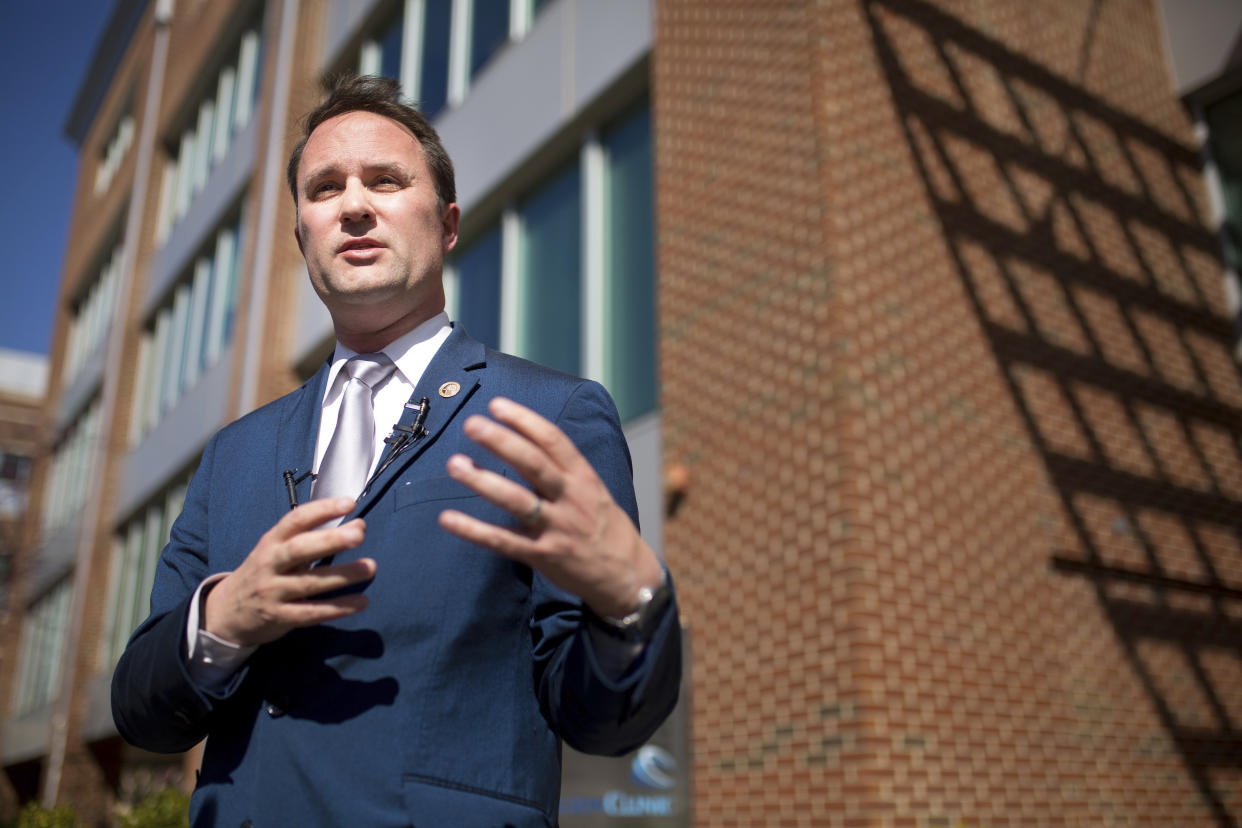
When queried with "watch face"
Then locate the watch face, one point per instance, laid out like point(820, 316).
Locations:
point(637, 626)
point(649, 611)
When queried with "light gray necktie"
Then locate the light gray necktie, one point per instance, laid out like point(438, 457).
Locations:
point(347, 461)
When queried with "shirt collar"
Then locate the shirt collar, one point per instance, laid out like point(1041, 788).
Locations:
point(411, 352)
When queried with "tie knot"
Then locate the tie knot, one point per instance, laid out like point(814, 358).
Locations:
point(369, 369)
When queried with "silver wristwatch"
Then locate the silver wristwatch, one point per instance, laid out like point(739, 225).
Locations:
point(640, 623)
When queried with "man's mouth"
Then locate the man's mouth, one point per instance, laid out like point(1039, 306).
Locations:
point(359, 247)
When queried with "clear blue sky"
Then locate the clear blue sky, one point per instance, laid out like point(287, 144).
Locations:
point(47, 46)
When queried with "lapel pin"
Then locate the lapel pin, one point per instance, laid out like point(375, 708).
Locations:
point(449, 389)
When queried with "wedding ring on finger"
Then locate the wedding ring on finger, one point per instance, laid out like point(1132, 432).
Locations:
point(534, 518)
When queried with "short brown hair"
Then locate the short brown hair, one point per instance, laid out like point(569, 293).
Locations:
point(382, 96)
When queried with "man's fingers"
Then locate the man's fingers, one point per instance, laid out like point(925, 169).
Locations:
point(309, 613)
point(325, 579)
point(309, 516)
point(515, 499)
point(310, 546)
point(528, 459)
point(506, 542)
point(539, 430)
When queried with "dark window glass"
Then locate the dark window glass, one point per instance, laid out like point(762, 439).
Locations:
point(1225, 128)
point(14, 468)
point(478, 288)
point(233, 263)
point(629, 267)
point(488, 31)
point(390, 49)
point(549, 307)
point(435, 58)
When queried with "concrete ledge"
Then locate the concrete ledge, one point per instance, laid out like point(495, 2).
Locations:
point(82, 387)
point(26, 737)
point(55, 556)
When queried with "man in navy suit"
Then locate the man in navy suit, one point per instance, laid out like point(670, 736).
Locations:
point(413, 648)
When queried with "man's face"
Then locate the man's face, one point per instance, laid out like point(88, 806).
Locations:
point(370, 226)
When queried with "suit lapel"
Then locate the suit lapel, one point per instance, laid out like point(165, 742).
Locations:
point(295, 442)
point(456, 363)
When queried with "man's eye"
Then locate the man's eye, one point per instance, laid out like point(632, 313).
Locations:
point(323, 187)
point(387, 181)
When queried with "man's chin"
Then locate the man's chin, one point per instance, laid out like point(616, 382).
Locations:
point(357, 292)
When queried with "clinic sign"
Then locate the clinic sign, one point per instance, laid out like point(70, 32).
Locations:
point(649, 788)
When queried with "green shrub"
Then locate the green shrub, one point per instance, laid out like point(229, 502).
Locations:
point(169, 808)
point(34, 815)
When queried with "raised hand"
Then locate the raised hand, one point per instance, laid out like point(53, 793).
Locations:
point(572, 530)
point(274, 590)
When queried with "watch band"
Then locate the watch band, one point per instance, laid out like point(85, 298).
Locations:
point(638, 624)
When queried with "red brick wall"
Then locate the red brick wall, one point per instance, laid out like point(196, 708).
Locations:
point(748, 307)
point(946, 351)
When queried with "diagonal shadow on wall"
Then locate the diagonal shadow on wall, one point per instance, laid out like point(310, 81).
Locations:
point(1080, 243)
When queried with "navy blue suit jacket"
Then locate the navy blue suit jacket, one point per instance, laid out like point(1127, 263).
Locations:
point(444, 702)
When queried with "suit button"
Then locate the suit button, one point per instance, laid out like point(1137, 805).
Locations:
point(246, 824)
point(275, 711)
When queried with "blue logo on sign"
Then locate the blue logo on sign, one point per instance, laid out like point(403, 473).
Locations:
point(653, 768)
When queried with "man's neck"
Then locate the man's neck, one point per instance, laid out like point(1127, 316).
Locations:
point(369, 341)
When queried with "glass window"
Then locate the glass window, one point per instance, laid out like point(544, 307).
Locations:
point(220, 116)
point(381, 53)
point(114, 150)
point(390, 50)
point(42, 647)
point(226, 99)
point(434, 61)
point(92, 316)
point(14, 468)
point(172, 380)
point(72, 467)
point(194, 352)
point(1225, 128)
point(478, 288)
point(189, 333)
point(629, 347)
point(14, 483)
point(549, 303)
point(135, 556)
point(247, 79)
point(489, 29)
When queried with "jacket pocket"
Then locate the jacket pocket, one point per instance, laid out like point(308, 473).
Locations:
point(413, 492)
point(433, 803)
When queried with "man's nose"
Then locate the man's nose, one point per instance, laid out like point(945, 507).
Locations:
point(355, 203)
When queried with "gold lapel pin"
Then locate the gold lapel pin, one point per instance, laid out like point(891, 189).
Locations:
point(449, 389)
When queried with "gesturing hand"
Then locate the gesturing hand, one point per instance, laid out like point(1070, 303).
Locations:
point(274, 589)
point(573, 531)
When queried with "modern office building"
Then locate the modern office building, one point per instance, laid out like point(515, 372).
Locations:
point(922, 318)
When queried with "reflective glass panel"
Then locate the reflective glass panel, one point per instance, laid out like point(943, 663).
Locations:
point(549, 307)
point(478, 288)
point(629, 267)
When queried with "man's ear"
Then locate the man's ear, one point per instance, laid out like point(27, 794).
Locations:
point(452, 216)
point(297, 235)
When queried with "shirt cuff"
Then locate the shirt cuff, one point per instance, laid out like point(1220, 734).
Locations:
point(211, 660)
